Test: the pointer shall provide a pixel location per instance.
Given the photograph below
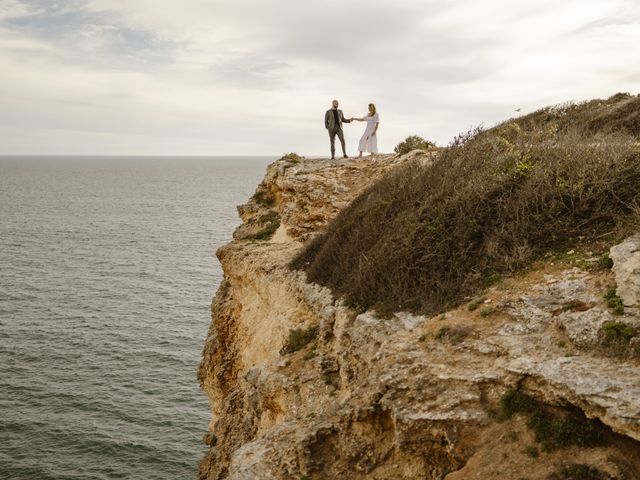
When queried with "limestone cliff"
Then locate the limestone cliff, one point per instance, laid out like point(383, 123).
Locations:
point(301, 386)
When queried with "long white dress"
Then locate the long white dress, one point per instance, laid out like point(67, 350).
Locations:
point(369, 143)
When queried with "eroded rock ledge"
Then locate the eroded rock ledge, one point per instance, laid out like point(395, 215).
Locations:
point(400, 398)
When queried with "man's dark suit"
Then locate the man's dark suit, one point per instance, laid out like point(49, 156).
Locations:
point(335, 128)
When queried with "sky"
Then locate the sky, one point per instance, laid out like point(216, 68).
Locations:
point(254, 77)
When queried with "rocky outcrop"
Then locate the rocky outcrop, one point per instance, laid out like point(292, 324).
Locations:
point(301, 386)
point(310, 193)
point(626, 266)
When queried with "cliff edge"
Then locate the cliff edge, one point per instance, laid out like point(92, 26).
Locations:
point(513, 384)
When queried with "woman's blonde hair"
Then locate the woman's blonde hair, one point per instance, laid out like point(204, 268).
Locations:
point(372, 109)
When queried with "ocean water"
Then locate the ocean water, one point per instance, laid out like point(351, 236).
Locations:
point(107, 269)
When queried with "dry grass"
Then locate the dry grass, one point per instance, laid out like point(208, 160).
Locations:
point(617, 114)
point(579, 471)
point(453, 335)
point(425, 237)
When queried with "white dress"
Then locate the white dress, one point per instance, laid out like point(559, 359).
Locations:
point(370, 144)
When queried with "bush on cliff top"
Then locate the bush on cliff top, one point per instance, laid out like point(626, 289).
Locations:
point(413, 142)
point(424, 237)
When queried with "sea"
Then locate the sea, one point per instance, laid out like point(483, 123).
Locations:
point(107, 270)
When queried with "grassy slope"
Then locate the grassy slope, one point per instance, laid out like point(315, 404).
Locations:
point(424, 237)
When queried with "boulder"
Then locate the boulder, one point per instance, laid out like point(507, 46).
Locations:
point(626, 267)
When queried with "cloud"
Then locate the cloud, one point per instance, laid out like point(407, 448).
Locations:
point(14, 9)
point(214, 77)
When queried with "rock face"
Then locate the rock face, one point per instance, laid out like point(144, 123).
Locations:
point(406, 397)
point(626, 266)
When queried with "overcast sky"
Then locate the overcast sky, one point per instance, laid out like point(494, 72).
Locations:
point(209, 77)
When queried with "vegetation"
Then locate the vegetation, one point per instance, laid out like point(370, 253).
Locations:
point(615, 339)
point(615, 332)
point(424, 237)
point(605, 262)
point(292, 157)
point(532, 452)
point(487, 311)
point(553, 430)
point(453, 335)
point(413, 142)
point(382, 311)
point(614, 302)
point(311, 353)
point(271, 222)
point(299, 338)
point(475, 303)
point(263, 197)
point(578, 471)
point(618, 113)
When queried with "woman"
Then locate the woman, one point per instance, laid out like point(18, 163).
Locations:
point(369, 140)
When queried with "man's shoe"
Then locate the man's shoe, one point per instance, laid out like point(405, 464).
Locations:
point(346, 156)
point(333, 158)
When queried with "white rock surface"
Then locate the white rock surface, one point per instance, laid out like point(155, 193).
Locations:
point(626, 267)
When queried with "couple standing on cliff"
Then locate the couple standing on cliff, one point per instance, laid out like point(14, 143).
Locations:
point(333, 121)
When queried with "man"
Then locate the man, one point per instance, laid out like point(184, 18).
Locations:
point(333, 121)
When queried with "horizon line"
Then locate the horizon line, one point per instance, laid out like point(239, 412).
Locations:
point(130, 155)
point(278, 155)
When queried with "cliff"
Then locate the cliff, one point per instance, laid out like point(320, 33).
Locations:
point(514, 384)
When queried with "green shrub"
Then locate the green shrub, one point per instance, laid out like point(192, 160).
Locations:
point(532, 452)
point(514, 401)
point(553, 430)
point(614, 302)
point(618, 332)
point(413, 142)
point(424, 237)
point(292, 157)
point(475, 303)
point(299, 338)
point(615, 338)
point(271, 222)
point(605, 262)
point(487, 311)
point(263, 197)
point(442, 332)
